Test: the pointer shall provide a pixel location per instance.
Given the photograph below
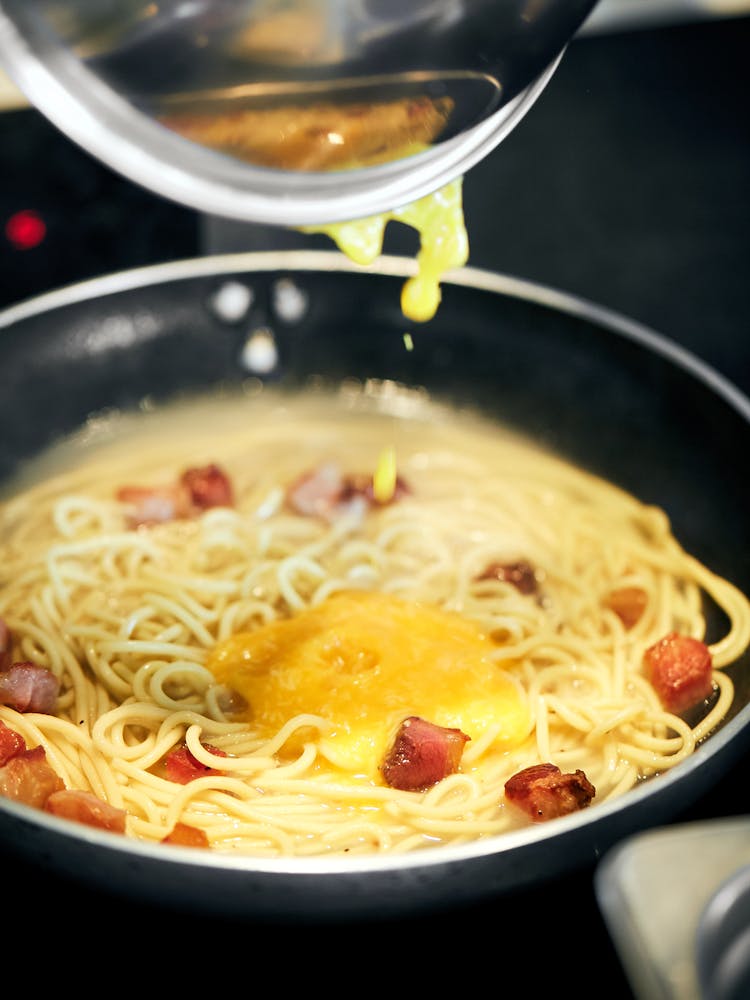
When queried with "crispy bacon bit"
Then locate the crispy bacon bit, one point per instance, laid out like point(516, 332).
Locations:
point(422, 754)
point(11, 743)
point(28, 778)
point(181, 766)
point(154, 505)
point(520, 573)
point(544, 792)
point(198, 489)
point(326, 492)
point(628, 603)
point(364, 486)
point(316, 493)
point(680, 669)
point(27, 687)
point(186, 836)
point(84, 807)
point(208, 486)
point(5, 641)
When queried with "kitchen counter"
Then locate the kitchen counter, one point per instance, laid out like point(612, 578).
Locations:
point(625, 184)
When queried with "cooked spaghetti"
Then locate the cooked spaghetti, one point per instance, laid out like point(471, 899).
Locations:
point(280, 647)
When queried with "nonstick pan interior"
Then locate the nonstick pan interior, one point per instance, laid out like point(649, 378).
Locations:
point(597, 388)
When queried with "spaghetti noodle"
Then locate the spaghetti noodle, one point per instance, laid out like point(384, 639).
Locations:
point(148, 628)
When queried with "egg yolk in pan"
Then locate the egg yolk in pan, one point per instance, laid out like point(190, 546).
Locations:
point(364, 661)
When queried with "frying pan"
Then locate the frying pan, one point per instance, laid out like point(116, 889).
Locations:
point(603, 391)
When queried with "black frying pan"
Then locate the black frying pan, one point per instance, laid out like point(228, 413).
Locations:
point(604, 392)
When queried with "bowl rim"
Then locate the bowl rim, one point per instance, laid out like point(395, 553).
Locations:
point(109, 127)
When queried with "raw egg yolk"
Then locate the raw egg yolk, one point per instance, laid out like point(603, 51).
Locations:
point(364, 661)
point(444, 244)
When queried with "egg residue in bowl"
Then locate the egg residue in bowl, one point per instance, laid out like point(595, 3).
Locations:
point(365, 661)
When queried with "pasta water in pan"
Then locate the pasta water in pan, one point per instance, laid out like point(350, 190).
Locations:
point(360, 622)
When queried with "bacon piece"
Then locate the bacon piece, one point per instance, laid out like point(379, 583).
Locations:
point(680, 669)
point(181, 766)
point(544, 792)
point(186, 836)
point(326, 492)
point(11, 743)
point(208, 486)
point(27, 687)
point(84, 807)
point(154, 505)
point(29, 778)
point(520, 573)
point(364, 486)
point(628, 603)
point(5, 641)
point(316, 493)
point(422, 754)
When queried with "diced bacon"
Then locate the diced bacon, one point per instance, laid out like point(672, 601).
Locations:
point(181, 766)
point(422, 754)
point(198, 489)
point(5, 642)
point(11, 743)
point(680, 669)
point(84, 807)
point(186, 836)
point(29, 778)
point(628, 603)
point(544, 792)
point(364, 486)
point(208, 486)
point(316, 493)
point(326, 492)
point(154, 505)
point(27, 687)
point(520, 573)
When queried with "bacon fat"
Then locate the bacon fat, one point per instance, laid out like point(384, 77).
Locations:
point(28, 778)
point(28, 687)
point(84, 807)
point(186, 836)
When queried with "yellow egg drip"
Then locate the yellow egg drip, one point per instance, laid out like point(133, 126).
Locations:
point(444, 244)
point(364, 661)
point(384, 478)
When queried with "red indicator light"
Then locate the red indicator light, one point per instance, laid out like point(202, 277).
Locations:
point(25, 230)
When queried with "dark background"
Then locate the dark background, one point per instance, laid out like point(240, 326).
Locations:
point(625, 184)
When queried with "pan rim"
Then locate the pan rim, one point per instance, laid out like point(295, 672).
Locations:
point(511, 286)
point(526, 838)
